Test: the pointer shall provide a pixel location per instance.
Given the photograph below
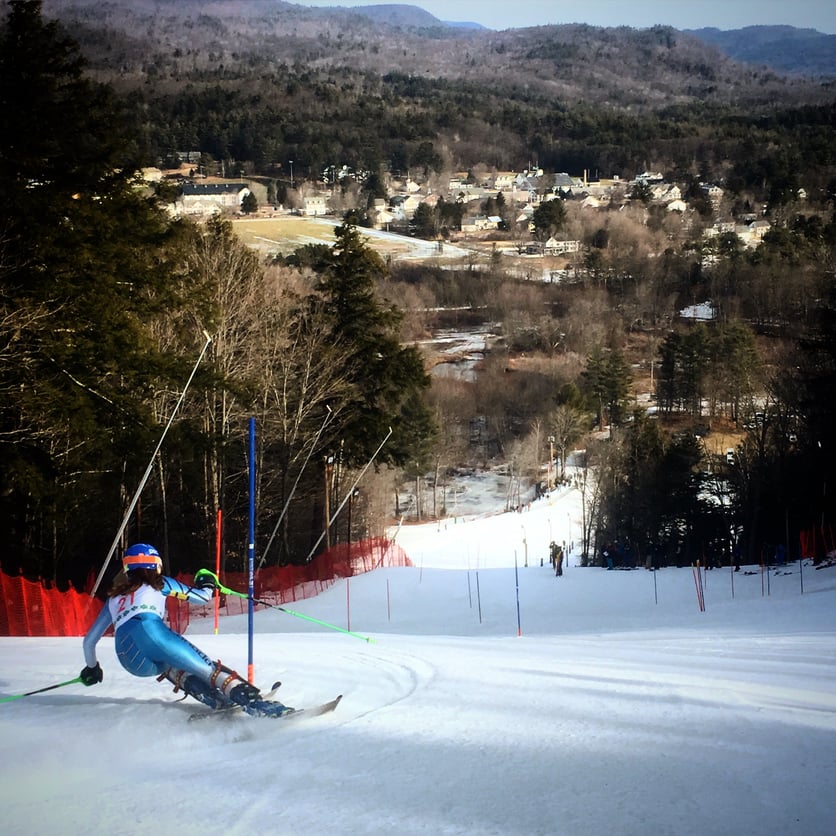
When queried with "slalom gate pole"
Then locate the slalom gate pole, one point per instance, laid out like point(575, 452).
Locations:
point(348, 603)
point(696, 585)
point(731, 574)
point(251, 559)
point(147, 473)
point(347, 496)
point(40, 690)
point(227, 591)
point(655, 590)
point(218, 567)
point(517, 582)
point(696, 572)
point(478, 597)
point(328, 417)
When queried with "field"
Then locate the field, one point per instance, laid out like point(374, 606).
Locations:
point(284, 234)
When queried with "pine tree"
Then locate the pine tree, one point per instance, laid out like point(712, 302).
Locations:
point(388, 379)
point(83, 275)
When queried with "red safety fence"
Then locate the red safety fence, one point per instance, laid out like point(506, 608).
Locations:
point(28, 608)
point(279, 585)
point(818, 543)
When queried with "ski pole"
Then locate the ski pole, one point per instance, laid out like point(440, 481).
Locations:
point(40, 690)
point(227, 591)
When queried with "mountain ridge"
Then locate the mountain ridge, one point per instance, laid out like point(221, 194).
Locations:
point(787, 49)
point(632, 68)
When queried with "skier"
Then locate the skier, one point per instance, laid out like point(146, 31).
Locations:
point(145, 646)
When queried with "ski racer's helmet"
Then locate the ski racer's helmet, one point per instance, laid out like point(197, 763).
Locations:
point(142, 556)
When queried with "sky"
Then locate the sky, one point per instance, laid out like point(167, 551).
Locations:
point(722, 14)
point(494, 698)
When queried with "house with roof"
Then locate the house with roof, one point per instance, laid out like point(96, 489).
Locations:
point(565, 183)
point(752, 233)
point(556, 247)
point(481, 223)
point(204, 199)
point(315, 204)
point(712, 192)
point(380, 216)
point(403, 206)
point(504, 181)
point(665, 192)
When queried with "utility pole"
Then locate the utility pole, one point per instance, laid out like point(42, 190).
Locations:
point(551, 462)
point(329, 467)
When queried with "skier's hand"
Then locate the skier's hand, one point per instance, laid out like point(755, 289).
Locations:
point(90, 676)
point(204, 579)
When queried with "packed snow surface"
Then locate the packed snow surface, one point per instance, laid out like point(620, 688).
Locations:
point(492, 698)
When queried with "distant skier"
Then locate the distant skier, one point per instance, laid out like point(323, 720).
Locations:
point(558, 561)
point(145, 646)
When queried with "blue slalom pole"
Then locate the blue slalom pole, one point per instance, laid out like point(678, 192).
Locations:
point(478, 597)
point(517, 579)
point(251, 558)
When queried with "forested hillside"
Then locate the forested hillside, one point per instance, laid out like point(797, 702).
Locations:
point(105, 297)
point(261, 83)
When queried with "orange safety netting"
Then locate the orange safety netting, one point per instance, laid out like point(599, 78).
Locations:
point(279, 585)
point(28, 608)
point(33, 609)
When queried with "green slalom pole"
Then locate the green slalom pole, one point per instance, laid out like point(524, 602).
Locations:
point(227, 591)
point(40, 690)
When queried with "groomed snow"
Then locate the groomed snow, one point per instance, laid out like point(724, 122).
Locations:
point(621, 709)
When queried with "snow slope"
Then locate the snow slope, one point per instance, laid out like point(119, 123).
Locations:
point(620, 709)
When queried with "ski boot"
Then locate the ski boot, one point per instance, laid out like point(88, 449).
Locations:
point(193, 686)
point(249, 698)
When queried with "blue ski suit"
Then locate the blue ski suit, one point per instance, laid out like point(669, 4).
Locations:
point(145, 646)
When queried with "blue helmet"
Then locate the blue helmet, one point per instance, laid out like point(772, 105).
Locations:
point(142, 556)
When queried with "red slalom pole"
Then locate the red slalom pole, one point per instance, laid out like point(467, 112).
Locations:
point(347, 604)
point(217, 567)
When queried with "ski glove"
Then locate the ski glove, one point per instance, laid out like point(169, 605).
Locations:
point(90, 676)
point(204, 579)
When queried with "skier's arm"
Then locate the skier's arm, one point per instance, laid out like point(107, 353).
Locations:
point(96, 631)
point(194, 595)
